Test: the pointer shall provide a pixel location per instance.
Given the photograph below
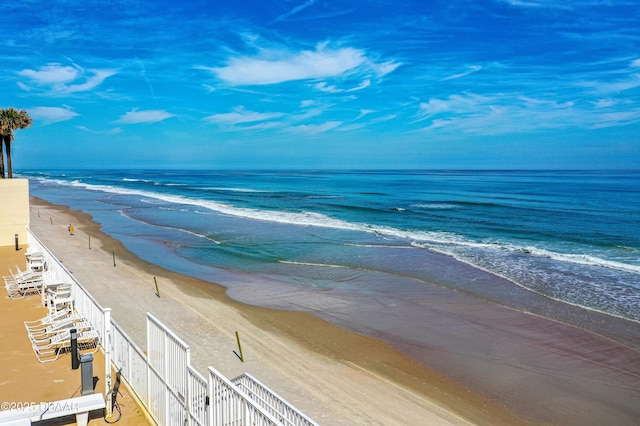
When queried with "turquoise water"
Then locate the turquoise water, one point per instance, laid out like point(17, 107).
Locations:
point(294, 238)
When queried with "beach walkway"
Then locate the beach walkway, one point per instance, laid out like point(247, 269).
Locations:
point(24, 380)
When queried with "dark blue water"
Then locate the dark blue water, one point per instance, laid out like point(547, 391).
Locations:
point(570, 236)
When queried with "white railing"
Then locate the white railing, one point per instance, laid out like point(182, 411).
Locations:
point(198, 398)
point(231, 406)
point(272, 402)
point(164, 381)
point(83, 302)
point(131, 361)
point(169, 357)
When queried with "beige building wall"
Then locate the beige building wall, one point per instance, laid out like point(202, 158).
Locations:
point(14, 211)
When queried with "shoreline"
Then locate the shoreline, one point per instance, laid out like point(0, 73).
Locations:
point(363, 360)
point(527, 340)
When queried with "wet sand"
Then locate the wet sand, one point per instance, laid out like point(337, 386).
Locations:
point(489, 364)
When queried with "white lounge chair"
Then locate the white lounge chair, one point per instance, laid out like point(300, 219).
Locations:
point(20, 275)
point(47, 320)
point(60, 326)
point(21, 287)
point(88, 342)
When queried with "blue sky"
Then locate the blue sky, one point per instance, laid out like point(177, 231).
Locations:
point(533, 84)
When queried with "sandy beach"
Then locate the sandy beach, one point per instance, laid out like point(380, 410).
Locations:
point(549, 372)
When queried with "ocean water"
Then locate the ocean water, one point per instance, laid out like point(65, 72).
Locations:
point(303, 240)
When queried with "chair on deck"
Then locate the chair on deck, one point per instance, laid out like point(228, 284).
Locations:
point(21, 287)
point(50, 350)
point(47, 320)
point(59, 297)
point(60, 326)
point(20, 276)
point(35, 261)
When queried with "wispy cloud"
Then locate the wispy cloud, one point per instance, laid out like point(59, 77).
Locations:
point(64, 79)
point(455, 104)
point(363, 85)
point(387, 117)
point(52, 114)
point(278, 66)
point(470, 70)
point(612, 87)
point(364, 112)
point(521, 3)
point(143, 74)
point(113, 131)
point(51, 74)
point(148, 116)
point(240, 116)
point(512, 113)
point(324, 87)
point(94, 79)
point(295, 10)
point(315, 129)
point(331, 88)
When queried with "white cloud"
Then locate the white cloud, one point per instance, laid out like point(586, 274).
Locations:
point(65, 79)
point(384, 118)
point(621, 85)
point(362, 85)
point(95, 80)
point(114, 131)
point(323, 87)
point(604, 103)
point(510, 113)
point(278, 66)
point(384, 68)
point(364, 112)
point(305, 115)
point(295, 10)
point(458, 104)
point(240, 115)
point(52, 114)
point(612, 119)
point(540, 3)
point(470, 70)
point(23, 86)
point(315, 129)
point(209, 88)
point(53, 73)
point(148, 116)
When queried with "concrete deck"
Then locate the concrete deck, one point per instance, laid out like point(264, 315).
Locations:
point(24, 380)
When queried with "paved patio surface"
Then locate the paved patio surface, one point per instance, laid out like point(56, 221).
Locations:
point(24, 380)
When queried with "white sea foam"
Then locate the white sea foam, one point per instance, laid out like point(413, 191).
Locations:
point(434, 240)
point(325, 265)
point(173, 228)
point(135, 180)
point(435, 206)
point(584, 259)
point(381, 246)
point(216, 188)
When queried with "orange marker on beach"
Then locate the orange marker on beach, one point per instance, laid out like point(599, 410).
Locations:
point(70, 229)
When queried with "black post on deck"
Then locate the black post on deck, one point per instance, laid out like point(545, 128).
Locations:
point(75, 360)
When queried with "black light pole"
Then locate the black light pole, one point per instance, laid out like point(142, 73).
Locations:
point(75, 360)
